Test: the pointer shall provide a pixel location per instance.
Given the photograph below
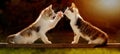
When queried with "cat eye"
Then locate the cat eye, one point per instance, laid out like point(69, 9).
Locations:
point(53, 17)
point(50, 14)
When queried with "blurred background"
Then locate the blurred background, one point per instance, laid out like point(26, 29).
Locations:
point(15, 15)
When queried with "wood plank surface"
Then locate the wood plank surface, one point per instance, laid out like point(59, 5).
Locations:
point(63, 45)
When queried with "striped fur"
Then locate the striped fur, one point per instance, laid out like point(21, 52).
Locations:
point(84, 29)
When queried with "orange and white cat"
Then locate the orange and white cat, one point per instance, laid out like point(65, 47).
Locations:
point(46, 21)
point(84, 29)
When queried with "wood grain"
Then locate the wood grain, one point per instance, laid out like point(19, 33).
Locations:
point(62, 45)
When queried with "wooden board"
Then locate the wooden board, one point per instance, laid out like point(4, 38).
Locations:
point(109, 45)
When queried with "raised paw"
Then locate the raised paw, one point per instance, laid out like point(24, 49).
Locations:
point(60, 14)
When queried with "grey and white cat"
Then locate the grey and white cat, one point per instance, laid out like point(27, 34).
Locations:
point(84, 29)
point(46, 21)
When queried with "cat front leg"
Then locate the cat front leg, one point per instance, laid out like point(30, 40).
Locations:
point(76, 39)
point(59, 15)
point(76, 32)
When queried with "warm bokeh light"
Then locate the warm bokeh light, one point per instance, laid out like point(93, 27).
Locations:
point(108, 7)
point(109, 3)
point(102, 13)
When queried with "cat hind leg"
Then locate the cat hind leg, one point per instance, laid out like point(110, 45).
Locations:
point(45, 39)
point(98, 41)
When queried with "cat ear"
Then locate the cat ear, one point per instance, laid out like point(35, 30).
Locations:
point(73, 5)
point(50, 6)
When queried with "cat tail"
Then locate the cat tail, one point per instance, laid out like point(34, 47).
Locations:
point(9, 39)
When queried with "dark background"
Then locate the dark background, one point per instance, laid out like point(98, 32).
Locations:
point(15, 15)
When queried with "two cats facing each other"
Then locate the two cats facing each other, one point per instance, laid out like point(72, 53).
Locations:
point(48, 20)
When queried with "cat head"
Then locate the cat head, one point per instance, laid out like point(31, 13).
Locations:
point(48, 13)
point(72, 12)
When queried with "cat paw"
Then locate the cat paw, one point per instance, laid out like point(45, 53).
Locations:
point(60, 14)
point(89, 42)
point(48, 42)
point(74, 42)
